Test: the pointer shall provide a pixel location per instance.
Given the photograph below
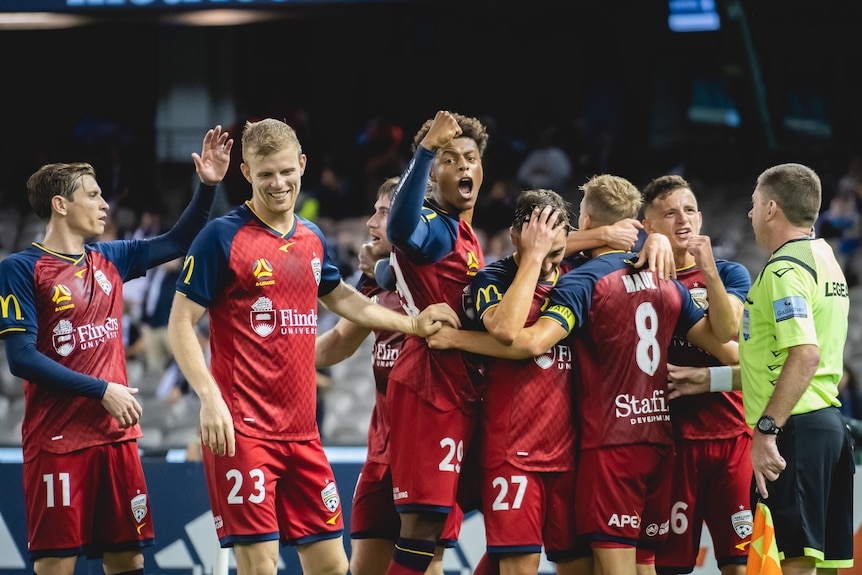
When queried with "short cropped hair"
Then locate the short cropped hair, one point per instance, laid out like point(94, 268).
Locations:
point(266, 137)
point(661, 186)
point(797, 191)
point(609, 199)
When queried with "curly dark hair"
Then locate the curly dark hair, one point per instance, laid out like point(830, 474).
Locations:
point(470, 128)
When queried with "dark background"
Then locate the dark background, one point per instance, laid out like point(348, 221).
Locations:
point(592, 68)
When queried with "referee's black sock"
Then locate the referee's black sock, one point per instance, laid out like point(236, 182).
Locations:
point(411, 556)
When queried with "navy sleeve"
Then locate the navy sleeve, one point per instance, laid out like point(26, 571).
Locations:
point(383, 275)
point(735, 277)
point(26, 362)
point(176, 241)
point(490, 285)
point(403, 226)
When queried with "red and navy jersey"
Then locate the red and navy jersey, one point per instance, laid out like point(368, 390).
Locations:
point(261, 289)
point(74, 306)
point(387, 344)
point(708, 415)
point(445, 378)
point(387, 347)
point(623, 320)
point(527, 405)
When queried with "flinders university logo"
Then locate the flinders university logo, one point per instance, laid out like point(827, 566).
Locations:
point(64, 338)
point(559, 356)
point(262, 317)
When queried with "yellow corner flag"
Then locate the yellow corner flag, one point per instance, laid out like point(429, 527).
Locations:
point(763, 552)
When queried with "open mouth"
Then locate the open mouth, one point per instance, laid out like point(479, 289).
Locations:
point(465, 186)
point(279, 195)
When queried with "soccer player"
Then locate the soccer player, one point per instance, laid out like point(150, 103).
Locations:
point(61, 307)
point(712, 464)
point(433, 395)
point(527, 436)
point(374, 523)
point(259, 271)
point(623, 320)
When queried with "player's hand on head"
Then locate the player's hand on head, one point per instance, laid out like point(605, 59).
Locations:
point(214, 160)
point(120, 402)
point(624, 234)
point(443, 130)
point(657, 255)
point(217, 431)
point(539, 232)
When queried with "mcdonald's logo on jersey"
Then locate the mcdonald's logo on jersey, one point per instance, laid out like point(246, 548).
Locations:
point(487, 295)
point(188, 268)
point(8, 303)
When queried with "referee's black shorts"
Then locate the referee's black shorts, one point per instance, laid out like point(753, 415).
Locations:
point(812, 500)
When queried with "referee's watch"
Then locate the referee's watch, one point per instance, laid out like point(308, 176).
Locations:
point(766, 425)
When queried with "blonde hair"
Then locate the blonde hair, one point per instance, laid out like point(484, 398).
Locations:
point(267, 137)
point(609, 199)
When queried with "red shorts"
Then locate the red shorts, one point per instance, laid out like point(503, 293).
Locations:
point(526, 510)
point(87, 502)
point(426, 450)
point(273, 490)
point(712, 484)
point(623, 494)
point(373, 514)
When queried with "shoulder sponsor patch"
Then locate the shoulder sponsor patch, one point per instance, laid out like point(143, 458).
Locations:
point(789, 307)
